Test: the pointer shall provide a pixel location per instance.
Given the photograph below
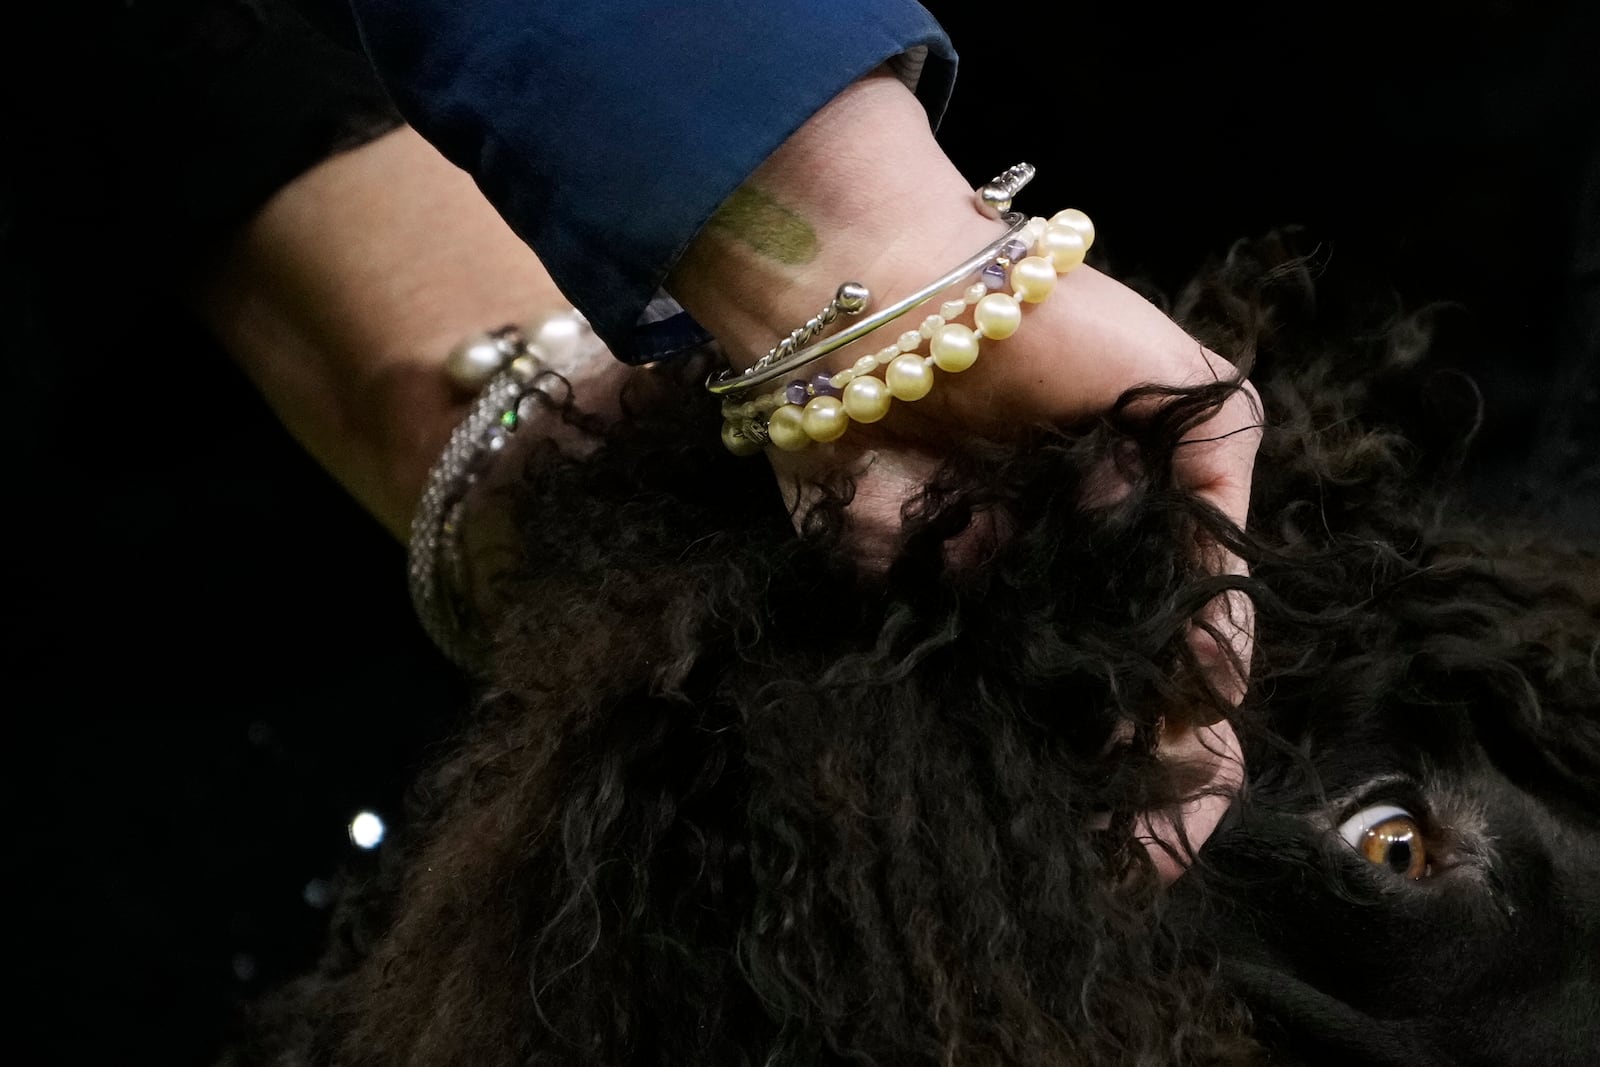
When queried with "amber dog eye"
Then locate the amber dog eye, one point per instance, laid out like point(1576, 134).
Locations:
point(1388, 837)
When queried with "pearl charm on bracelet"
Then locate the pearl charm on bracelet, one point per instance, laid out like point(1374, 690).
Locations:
point(1063, 246)
point(786, 428)
point(1078, 221)
point(954, 348)
point(866, 399)
point(1033, 279)
point(997, 316)
point(557, 339)
point(471, 364)
point(909, 378)
point(824, 419)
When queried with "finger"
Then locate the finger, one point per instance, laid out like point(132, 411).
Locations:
point(1212, 755)
point(1222, 639)
point(1216, 460)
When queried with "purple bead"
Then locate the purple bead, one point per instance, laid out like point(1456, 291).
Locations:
point(993, 277)
point(1013, 250)
point(795, 392)
point(820, 386)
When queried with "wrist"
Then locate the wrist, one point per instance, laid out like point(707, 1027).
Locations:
point(343, 295)
point(861, 192)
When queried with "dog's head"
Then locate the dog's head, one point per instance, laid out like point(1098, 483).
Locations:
point(1413, 873)
point(729, 802)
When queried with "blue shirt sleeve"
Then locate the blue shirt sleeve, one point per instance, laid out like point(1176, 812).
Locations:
point(606, 133)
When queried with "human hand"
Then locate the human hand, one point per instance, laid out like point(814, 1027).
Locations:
point(832, 205)
point(1073, 357)
point(889, 209)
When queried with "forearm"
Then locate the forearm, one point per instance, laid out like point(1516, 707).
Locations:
point(608, 133)
point(343, 296)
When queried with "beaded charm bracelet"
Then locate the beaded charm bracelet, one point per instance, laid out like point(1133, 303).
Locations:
point(503, 367)
point(821, 409)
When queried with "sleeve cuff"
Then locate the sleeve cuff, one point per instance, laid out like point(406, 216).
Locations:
point(607, 135)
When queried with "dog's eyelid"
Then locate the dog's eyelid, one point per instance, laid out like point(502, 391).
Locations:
point(1401, 790)
point(1355, 826)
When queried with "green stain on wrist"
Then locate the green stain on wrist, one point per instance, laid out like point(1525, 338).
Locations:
point(752, 217)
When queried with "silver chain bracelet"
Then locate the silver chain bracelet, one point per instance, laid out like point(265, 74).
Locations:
point(506, 367)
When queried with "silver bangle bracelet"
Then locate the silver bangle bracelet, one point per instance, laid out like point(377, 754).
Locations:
point(993, 200)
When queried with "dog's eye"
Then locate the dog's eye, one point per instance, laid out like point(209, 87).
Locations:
point(1388, 837)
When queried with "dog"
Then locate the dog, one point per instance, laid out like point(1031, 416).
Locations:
point(727, 800)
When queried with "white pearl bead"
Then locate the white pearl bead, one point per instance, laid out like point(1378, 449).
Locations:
point(1033, 279)
point(786, 428)
point(930, 325)
point(908, 378)
point(885, 356)
point(975, 292)
point(556, 339)
point(842, 379)
point(866, 364)
point(472, 363)
point(952, 308)
point(1063, 246)
point(866, 399)
point(909, 341)
point(824, 419)
point(954, 348)
point(738, 443)
point(1078, 221)
point(997, 316)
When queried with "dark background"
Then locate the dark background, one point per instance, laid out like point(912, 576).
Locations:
point(210, 661)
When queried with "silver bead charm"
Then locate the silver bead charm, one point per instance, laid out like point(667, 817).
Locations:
point(852, 298)
point(994, 199)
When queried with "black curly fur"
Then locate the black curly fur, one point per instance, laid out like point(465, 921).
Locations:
point(729, 802)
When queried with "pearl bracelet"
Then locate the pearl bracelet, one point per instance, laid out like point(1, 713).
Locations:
point(993, 201)
point(821, 409)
